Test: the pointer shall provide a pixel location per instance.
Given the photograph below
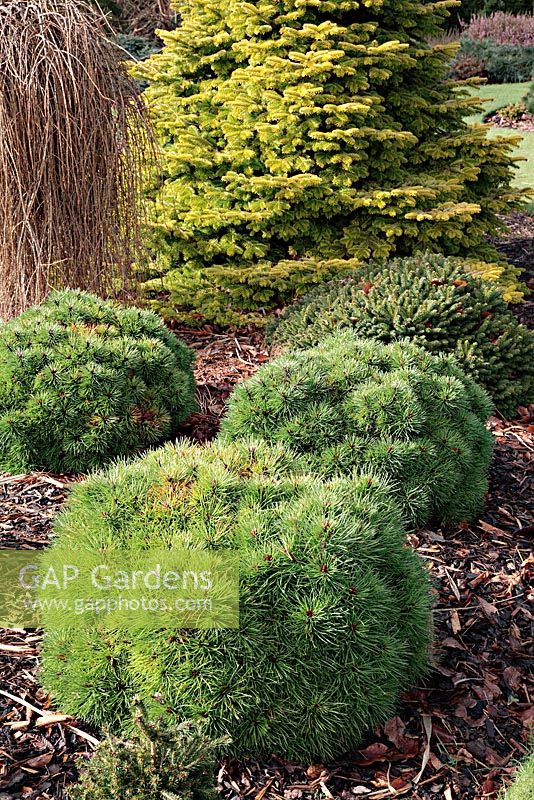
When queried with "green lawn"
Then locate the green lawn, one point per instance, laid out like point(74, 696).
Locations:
point(495, 96)
point(524, 178)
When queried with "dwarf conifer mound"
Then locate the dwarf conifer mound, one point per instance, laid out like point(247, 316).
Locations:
point(334, 608)
point(300, 138)
point(411, 417)
point(435, 302)
point(158, 762)
point(83, 380)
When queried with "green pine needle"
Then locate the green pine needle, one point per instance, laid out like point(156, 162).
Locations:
point(334, 608)
point(83, 380)
point(351, 404)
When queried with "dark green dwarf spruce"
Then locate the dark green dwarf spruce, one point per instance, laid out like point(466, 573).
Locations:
point(83, 380)
point(158, 762)
point(334, 608)
point(410, 417)
point(435, 302)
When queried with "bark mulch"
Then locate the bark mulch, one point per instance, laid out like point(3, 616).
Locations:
point(516, 243)
point(222, 359)
point(458, 736)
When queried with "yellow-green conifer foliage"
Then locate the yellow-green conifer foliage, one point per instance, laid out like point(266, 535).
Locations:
point(300, 137)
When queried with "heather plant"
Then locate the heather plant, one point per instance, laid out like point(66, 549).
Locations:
point(432, 300)
point(470, 8)
point(502, 43)
point(352, 404)
point(334, 608)
point(158, 762)
point(83, 380)
point(502, 28)
point(298, 139)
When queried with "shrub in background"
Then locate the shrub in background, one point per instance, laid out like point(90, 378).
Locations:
point(432, 300)
point(501, 63)
point(513, 112)
point(348, 404)
point(298, 139)
point(529, 100)
point(465, 67)
point(334, 608)
point(133, 24)
point(159, 762)
point(502, 28)
point(470, 8)
point(138, 18)
point(83, 380)
point(137, 47)
point(503, 45)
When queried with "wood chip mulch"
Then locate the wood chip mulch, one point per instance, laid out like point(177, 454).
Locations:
point(222, 360)
point(457, 736)
point(516, 243)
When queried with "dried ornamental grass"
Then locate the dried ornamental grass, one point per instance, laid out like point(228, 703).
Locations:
point(145, 16)
point(73, 140)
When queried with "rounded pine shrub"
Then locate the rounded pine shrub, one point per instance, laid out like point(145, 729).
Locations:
point(410, 417)
point(300, 138)
point(83, 380)
point(438, 304)
point(334, 608)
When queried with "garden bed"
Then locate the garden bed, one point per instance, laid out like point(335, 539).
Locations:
point(457, 736)
point(524, 124)
point(465, 726)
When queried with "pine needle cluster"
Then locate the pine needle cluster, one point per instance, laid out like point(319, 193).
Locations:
point(158, 762)
point(301, 138)
point(334, 608)
point(438, 304)
point(410, 417)
point(83, 380)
